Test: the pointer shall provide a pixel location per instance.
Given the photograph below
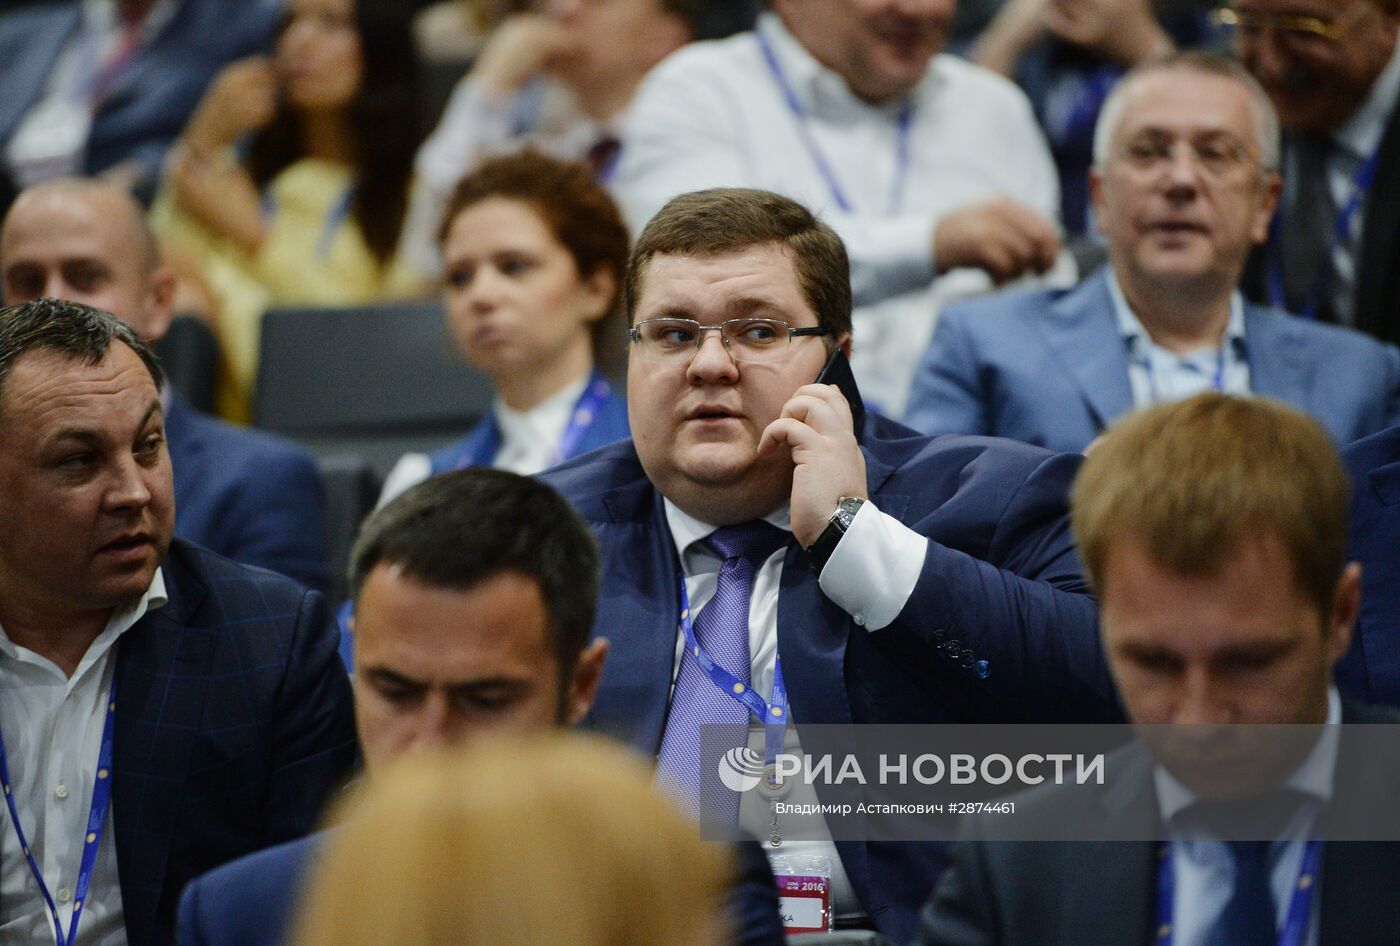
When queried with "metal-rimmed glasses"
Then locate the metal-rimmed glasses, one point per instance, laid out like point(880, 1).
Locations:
point(748, 341)
point(1299, 27)
point(1219, 156)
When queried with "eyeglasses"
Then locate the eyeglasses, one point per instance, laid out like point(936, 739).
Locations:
point(751, 341)
point(1220, 157)
point(1291, 26)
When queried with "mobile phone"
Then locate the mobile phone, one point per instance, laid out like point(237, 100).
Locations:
point(837, 371)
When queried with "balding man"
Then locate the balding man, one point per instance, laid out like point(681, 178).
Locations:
point(1183, 188)
point(246, 495)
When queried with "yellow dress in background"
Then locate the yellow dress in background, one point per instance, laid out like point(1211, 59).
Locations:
point(313, 255)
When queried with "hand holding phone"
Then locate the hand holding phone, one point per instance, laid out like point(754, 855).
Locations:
point(818, 424)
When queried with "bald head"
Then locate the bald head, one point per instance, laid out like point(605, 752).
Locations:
point(85, 241)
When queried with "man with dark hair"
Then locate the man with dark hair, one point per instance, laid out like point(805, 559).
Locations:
point(245, 494)
point(1215, 533)
point(1332, 69)
point(165, 709)
point(474, 597)
point(892, 578)
point(559, 77)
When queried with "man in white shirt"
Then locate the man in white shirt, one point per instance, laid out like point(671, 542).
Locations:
point(1215, 532)
point(560, 78)
point(933, 170)
point(1332, 68)
point(165, 708)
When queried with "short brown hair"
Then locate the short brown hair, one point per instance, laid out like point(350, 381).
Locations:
point(1195, 480)
point(725, 219)
point(578, 211)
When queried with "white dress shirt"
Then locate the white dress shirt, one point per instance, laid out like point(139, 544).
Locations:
point(712, 115)
point(870, 574)
point(1160, 376)
point(1203, 867)
point(52, 725)
point(529, 440)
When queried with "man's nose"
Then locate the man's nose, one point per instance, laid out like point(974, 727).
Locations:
point(712, 361)
point(129, 489)
point(1202, 701)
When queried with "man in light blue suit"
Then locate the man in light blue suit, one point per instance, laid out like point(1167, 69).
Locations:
point(247, 495)
point(883, 577)
point(1184, 186)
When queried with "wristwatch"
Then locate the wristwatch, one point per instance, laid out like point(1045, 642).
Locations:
point(820, 551)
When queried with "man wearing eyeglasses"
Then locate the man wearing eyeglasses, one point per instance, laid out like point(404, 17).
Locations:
point(767, 553)
point(1333, 73)
point(1184, 186)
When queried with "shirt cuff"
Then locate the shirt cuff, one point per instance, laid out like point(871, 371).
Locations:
point(873, 569)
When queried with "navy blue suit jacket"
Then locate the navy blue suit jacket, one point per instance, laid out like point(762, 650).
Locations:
point(154, 97)
point(1001, 582)
point(1049, 367)
point(1371, 670)
point(251, 902)
point(234, 722)
point(247, 495)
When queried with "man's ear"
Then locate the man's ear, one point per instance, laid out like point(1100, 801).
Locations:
point(584, 685)
point(160, 303)
point(1346, 606)
point(845, 344)
point(1268, 203)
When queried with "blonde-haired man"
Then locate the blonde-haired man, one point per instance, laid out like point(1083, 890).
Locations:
point(1214, 531)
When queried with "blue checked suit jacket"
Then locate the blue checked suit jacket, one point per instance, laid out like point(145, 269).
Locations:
point(234, 723)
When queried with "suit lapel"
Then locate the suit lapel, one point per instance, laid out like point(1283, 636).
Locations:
point(640, 624)
point(40, 53)
point(1277, 367)
point(1081, 331)
point(163, 665)
point(1360, 900)
point(1126, 871)
point(1380, 245)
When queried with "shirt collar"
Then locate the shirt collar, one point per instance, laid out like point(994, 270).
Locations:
point(813, 82)
point(1137, 337)
point(1312, 777)
point(118, 624)
point(688, 532)
point(557, 405)
point(1361, 134)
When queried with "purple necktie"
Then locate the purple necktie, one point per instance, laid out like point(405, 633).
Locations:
point(722, 628)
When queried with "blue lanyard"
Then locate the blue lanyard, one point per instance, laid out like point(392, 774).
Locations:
point(1341, 234)
point(97, 816)
point(1217, 383)
point(1295, 925)
point(773, 713)
point(338, 214)
point(904, 124)
point(586, 409)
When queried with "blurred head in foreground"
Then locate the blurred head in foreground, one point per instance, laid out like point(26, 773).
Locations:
point(538, 842)
point(1214, 531)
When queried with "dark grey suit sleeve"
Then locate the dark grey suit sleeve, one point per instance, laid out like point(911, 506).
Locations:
point(962, 910)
